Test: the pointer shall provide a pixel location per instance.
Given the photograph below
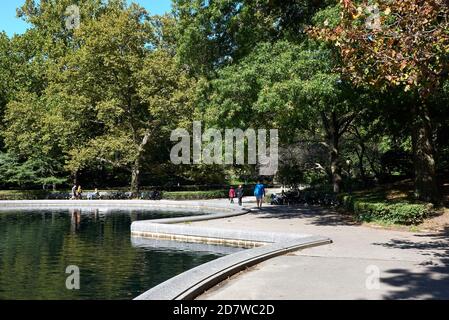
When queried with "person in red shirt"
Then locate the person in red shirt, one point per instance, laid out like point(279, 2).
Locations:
point(231, 194)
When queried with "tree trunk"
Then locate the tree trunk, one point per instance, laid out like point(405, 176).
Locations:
point(335, 164)
point(135, 178)
point(135, 170)
point(426, 188)
point(332, 128)
point(361, 156)
point(75, 177)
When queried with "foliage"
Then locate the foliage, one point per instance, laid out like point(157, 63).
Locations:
point(400, 44)
point(139, 93)
point(15, 195)
point(195, 195)
point(406, 45)
point(32, 171)
point(368, 209)
point(213, 34)
point(355, 103)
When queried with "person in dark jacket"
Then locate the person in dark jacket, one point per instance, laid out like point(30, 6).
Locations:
point(240, 194)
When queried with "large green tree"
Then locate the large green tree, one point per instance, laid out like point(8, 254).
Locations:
point(289, 87)
point(136, 91)
point(212, 34)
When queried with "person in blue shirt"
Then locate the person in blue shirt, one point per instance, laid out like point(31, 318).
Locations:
point(259, 193)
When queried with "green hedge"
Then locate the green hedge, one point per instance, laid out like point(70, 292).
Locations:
point(23, 195)
point(177, 195)
point(195, 195)
point(383, 211)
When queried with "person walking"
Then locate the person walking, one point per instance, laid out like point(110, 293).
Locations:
point(79, 193)
point(231, 195)
point(74, 192)
point(259, 193)
point(240, 193)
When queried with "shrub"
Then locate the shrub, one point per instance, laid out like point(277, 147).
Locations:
point(24, 195)
point(381, 210)
point(195, 195)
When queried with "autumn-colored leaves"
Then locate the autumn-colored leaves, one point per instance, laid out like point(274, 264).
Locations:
point(392, 43)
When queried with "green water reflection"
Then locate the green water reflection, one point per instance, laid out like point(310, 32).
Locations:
point(37, 246)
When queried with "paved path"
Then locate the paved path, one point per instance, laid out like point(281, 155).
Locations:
point(409, 265)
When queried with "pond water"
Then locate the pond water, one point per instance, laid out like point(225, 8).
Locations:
point(36, 247)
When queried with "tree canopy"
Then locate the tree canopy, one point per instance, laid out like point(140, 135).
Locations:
point(358, 91)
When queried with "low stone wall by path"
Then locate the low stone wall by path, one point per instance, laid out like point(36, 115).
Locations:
point(191, 206)
point(194, 282)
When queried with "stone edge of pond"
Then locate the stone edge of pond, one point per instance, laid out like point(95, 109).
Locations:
point(194, 282)
point(197, 206)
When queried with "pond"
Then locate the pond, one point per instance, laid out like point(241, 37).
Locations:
point(37, 246)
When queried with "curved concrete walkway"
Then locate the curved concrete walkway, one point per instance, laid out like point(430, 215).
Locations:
point(260, 245)
point(362, 263)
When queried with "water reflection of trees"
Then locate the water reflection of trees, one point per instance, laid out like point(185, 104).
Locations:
point(35, 250)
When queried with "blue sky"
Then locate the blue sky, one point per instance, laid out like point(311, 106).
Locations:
point(11, 25)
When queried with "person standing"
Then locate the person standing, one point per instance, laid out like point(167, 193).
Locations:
point(80, 193)
point(231, 195)
point(259, 193)
point(240, 194)
point(74, 192)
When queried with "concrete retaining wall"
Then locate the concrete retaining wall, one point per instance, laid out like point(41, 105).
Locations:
point(194, 282)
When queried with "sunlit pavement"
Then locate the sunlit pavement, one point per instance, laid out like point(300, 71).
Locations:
point(362, 263)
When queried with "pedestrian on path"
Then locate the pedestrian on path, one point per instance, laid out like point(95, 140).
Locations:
point(74, 192)
point(259, 193)
point(231, 194)
point(240, 193)
point(79, 193)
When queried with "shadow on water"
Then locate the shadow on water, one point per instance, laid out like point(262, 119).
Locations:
point(430, 280)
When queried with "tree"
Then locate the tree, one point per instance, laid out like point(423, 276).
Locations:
point(399, 44)
point(37, 135)
point(40, 118)
point(136, 92)
point(289, 87)
point(6, 76)
point(213, 34)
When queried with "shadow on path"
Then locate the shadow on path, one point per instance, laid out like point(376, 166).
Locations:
point(432, 280)
point(319, 216)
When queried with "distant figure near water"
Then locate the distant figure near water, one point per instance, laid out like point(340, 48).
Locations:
point(74, 196)
point(79, 193)
point(240, 194)
point(93, 195)
point(231, 194)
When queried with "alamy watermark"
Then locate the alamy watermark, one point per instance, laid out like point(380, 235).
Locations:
point(373, 20)
point(72, 17)
point(73, 280)
point(372, 281)
point(208, 147)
